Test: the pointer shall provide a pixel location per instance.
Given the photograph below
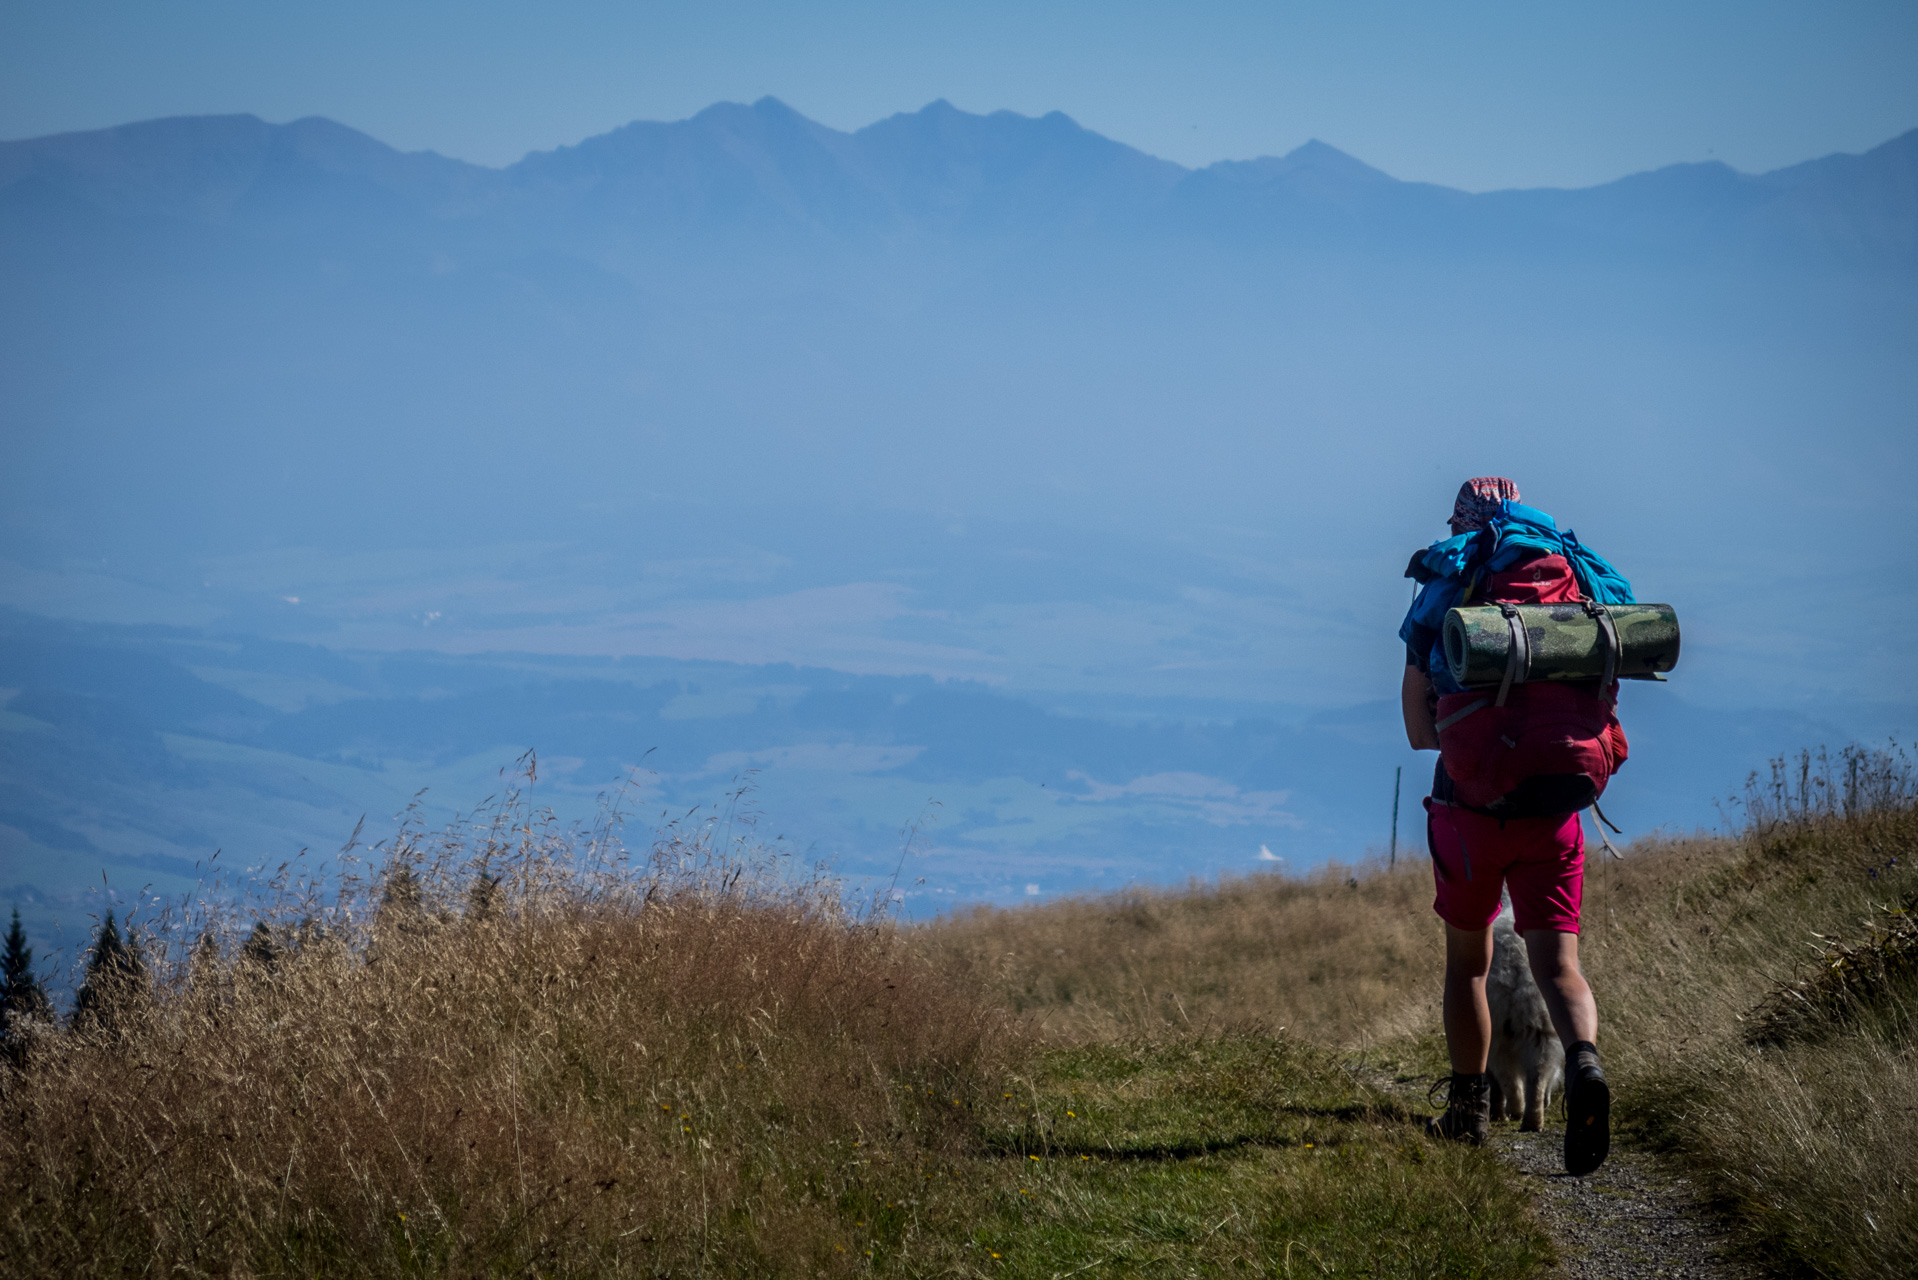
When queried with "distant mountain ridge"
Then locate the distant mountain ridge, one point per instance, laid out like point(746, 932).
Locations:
point(748, 336)
point(953, 396)
point(765, 168)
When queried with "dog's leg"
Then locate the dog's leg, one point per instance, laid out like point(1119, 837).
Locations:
point(1534, 1091)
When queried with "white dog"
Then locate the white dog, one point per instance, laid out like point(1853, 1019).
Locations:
point(1527, 1061)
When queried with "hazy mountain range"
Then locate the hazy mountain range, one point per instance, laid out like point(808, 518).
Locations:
point(279, 321)
point(1136, 449)
point(767, 171)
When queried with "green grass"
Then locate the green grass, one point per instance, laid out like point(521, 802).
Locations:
point(653, 1071)
point(1242, 1155)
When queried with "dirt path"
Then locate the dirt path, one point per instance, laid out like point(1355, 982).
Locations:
point(1630, 1219)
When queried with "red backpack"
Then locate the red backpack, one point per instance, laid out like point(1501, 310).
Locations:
point(1552, 746)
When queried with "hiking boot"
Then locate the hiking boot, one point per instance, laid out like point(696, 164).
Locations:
point(1588, 1111)
point(1468, 1110)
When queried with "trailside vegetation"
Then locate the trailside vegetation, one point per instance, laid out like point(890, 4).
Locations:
point(1763, 1009)
point(517, 1047)
point(24, 1006)
point(1758, 994)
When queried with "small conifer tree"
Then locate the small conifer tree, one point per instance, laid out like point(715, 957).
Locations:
point(311, 937)
point(115, 982)
point(207, 983)
point(204, 967)
point(402, 919)
point(401, 899)
point(22, 999)
point(483, 899)
point(261, 951)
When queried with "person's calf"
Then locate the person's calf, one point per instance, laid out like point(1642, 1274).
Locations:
point(1553, 955)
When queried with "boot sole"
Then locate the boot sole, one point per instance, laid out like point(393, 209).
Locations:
point(1588, 1127)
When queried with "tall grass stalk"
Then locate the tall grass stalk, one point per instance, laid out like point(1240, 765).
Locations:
point(516, 1047)
point(1763, 1016)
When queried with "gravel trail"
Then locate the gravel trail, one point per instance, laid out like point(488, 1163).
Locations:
point(1630, 1219)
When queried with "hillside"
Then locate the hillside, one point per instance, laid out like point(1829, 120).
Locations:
point(1758, 996)
point(522, 1047)
point(129, 755)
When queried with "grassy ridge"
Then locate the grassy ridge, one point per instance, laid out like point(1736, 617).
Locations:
point(1803, 1127)
point(1341, 956)
point(519, 1051)
point(528, 1052)
point(513, 1054)
point(1758, 995)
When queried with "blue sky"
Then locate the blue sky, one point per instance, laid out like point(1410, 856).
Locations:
point(1478, 96)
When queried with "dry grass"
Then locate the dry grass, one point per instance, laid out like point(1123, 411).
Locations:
point(1344, 956)
point(1804, 1129)
point(520, 1049)
point(524, 1054)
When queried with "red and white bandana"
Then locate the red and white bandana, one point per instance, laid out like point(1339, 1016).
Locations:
point(1478, 500)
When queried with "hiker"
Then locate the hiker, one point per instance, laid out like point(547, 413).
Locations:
point(1507, 792)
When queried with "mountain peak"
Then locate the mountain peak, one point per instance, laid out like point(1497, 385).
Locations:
point(203, 167)
point(767, 108)
point(1323, 158)
point(1316, 166)
point(765, 119)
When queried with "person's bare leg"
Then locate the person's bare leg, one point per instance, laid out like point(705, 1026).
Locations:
point(1554, 959)
point(1468, 1037)
point(1468, 1019)
point(1588, 1097)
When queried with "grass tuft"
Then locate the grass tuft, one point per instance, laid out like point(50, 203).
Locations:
point(516, 1050)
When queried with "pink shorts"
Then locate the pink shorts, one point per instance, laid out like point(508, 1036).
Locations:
point(1541, 859)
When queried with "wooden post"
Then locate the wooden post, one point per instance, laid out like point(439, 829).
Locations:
point(1398, 775)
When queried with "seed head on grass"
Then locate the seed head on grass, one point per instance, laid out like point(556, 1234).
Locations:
point(440, 1060)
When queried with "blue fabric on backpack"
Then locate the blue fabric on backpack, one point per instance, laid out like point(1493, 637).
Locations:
point(1514, 532)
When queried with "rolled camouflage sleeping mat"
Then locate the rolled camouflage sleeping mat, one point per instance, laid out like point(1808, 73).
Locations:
point(1560, 642)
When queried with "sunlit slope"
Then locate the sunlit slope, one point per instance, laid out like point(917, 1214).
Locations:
point(1756, 994)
